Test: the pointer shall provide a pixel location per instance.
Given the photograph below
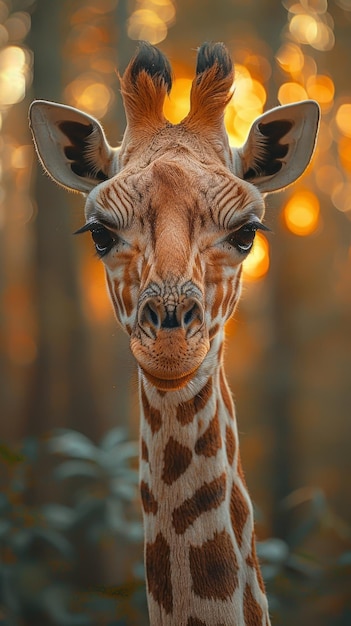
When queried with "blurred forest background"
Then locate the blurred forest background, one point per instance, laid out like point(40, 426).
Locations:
point(70, 532)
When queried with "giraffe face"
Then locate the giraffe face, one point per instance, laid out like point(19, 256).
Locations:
point(172, 238)
point(173, 211)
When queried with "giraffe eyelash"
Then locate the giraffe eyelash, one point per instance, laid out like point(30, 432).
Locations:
point(103, 237)
point(242, 238)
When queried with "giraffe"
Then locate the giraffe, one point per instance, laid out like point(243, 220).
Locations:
point(173, 212)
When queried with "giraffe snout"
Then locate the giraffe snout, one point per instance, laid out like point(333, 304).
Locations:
point(170, 339)
point(156, 314)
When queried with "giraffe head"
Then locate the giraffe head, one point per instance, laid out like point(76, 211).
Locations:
point(174, 210)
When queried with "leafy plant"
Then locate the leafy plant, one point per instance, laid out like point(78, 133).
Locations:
point(303, 570)
point(90, 495)
point(38, 540)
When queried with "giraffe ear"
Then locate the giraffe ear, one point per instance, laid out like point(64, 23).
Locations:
point(279, 146)
point(71, 146)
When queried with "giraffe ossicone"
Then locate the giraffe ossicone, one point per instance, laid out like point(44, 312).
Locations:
point(173, 212)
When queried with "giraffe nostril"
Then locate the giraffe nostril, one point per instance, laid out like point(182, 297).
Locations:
point(152, 315)
point(149, 318)
point(189, 315)
point(192, 316)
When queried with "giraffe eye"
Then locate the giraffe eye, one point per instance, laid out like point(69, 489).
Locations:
point(243, 238)
point(103, 239)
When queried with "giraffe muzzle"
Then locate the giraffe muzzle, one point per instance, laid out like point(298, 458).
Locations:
point(170, 339)
point(155, 316)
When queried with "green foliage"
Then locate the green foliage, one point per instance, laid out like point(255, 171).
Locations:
point(306, 569)
point(90, 501)
point(38, 540)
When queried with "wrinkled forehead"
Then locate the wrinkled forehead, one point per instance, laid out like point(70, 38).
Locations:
point(214, 195)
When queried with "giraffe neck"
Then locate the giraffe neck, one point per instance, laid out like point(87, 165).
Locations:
point(200, 556)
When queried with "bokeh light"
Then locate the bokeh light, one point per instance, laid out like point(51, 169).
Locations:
point(88, 93)
point(13, 66)
point(343, 118)
point(341, 197)
point(246, 105)
point(311, 24)
point(328, 177)
point(321, 88)
point(177, 105)
point(150, 20)
point(344, 151)
point(291, 59)
point(291, 92)
point(256, 265)
point(301, 212)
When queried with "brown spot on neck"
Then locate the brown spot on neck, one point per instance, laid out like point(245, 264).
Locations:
point(210, 442)
point(214, 568)
point(176, 460)
point(209, 496)
point(255, 564)
point(147, 498)
point(144, 451)
point(239, 512)
point(152, 416)
point(230, 444)
point(158, 572)
point(252, 611)
point(186, 411)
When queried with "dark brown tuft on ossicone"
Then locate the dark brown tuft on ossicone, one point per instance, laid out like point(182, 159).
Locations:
point(210, 54)
point(153, 61)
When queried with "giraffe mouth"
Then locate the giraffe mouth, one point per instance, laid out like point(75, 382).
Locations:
point(170, 361)
point(169, 384)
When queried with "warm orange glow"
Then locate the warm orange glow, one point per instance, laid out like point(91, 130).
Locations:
point(304, 28)
point(328, 177)
point(21, 347)
point(309, 28)
point(22, 157)
point(88, 39)
point(257, 64)
point(309, 69)
point(88, 93)
point(343, 118)
point(256, 264)
point(231, 327)
point(325, 139)
point(164, 9)
point(13, 69)
point(321, 88)
point(344, 148)
point(151, 19)
point(341, 197)
point(104, 61)
point(301, 213)
point(176, 107)
point(96, 300)
point(291, 59)
point(246, 105)
point(291, 92)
